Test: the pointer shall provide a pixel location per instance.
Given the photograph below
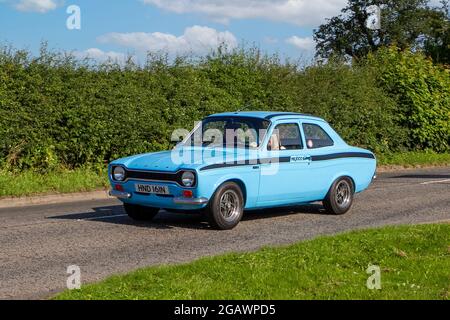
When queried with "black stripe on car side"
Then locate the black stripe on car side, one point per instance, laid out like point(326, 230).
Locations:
point(246, 163)
point(288, 159)
point(343, 155)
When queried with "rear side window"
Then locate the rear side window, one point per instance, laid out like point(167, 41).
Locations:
point(316, 137)
point(286, 137)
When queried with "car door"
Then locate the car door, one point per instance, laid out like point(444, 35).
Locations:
point(319, 145)
point(284, 166)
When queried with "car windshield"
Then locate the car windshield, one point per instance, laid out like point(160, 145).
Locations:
point(230, 132)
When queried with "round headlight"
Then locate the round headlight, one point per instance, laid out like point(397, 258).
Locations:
point(188, 179)
point(119, 173)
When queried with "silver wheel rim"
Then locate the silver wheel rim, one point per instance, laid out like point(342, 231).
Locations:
point(229, 205)
point(343, 193)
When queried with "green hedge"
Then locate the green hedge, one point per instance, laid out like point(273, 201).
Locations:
point(58, 111)
point(422, 93)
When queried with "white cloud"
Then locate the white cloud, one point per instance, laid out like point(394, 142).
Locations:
point(41, 6)
point(270, 40)
point(299, 12)
point(304, 44)
point(101, 56)
point(195, 40)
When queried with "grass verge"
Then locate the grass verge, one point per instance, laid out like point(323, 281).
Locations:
point(414, 159)
point(30, 183)
point(414, 262)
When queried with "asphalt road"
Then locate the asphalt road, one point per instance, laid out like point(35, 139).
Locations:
point(38, 243)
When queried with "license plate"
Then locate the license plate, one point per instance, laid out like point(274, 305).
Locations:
point(151, 189)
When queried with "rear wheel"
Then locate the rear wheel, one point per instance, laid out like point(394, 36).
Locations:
point(226, 208)
point(140, 213)
point(339, 199)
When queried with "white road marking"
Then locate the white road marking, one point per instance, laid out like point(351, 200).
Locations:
point(436, 221)
point(436, 181)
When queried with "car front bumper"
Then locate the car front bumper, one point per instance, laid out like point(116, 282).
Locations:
point(154, 201)
point(119, 194)
point(190, 201)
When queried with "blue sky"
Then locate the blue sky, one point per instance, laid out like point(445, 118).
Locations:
point(116, 27)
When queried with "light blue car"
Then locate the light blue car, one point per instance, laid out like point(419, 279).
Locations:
point(233, 162)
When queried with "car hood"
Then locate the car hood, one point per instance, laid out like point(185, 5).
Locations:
point(184, 158)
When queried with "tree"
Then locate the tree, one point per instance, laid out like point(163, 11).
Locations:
point(437, 46)
point(405, 23)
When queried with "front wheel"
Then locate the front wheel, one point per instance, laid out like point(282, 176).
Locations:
point(226, 208)
point(140, 213)
point(339, 199)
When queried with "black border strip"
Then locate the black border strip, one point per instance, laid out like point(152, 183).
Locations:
point(324, 157)
point(286, 114)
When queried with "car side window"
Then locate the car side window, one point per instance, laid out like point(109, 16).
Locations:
point(285, 137)
point(316, 137)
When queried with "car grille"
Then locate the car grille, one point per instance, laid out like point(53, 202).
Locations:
point(152, 175)
point(174, 177)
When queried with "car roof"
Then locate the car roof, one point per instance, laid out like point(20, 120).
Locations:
point(267, 115)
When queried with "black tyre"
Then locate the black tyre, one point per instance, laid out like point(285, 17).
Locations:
point(225, 209)
point(339, 199)
point(140, 213)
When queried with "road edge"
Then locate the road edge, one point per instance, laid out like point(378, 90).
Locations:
point(6, 203)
